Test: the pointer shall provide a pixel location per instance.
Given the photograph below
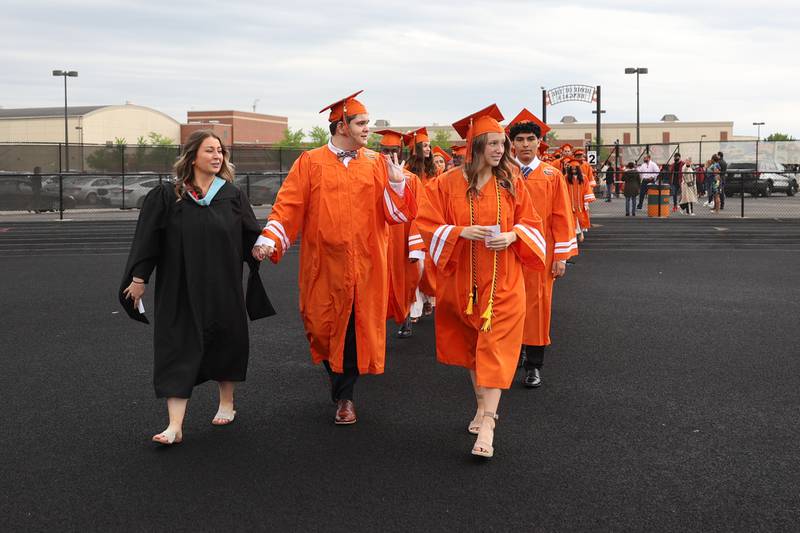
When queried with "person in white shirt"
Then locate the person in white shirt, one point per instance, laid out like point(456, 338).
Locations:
point(648, 170)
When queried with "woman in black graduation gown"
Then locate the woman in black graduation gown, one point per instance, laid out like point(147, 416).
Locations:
point(196, 234)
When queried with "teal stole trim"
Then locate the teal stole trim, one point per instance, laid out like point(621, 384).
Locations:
point(216, 185)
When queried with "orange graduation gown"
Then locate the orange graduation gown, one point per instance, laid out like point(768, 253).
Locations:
point(343, 213)
point(460, 340)
point(427, 285)
point(580, 196)
point(550, 197)
point(404, 276)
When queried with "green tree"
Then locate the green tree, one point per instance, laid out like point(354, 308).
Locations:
point(374, 142)
point(779, 137)
point(291, 139)
point(441, 139)
point(319, 136)
point(109, 158)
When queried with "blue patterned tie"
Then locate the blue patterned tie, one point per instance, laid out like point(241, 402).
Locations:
point(351, 154)
point(526, 170)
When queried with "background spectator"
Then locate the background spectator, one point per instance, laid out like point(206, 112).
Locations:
point(632, 181)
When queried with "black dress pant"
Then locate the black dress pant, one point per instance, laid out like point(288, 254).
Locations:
point(534, 357)
point(342, 384)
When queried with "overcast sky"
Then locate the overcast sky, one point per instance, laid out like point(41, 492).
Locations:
point(419, 62)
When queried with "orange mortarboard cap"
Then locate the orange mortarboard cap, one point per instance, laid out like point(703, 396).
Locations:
point(487, 120)
point(527, 116)
point(417, 136)
point(565, 147)
point(458, 149)
point(391, 138)
point(578, 151)
point(346, 106)
point(543, 147)
point(441, 152)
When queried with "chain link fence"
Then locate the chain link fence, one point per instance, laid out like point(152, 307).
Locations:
point(760, 178)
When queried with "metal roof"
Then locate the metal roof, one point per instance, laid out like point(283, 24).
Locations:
point(43, 112)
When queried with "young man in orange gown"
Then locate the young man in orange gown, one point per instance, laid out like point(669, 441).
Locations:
point(548, 191)
point(480, 227)
point(342, 196)
point(406, 248)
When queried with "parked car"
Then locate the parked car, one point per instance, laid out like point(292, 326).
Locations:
point(770, 178)
point(17, 194)
point(86, 190)
point(262, 190)
point(134, 193)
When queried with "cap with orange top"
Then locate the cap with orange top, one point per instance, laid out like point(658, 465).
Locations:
point(437, 150)
point(566, 147)
point(487, 120)
point(417, 136)
point(347, 106)
point(458, 150)
point(391, 138)
point(527, 116)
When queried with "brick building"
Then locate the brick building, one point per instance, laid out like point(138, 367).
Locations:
point(237, 127)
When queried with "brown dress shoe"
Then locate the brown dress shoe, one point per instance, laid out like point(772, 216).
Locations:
point(345, 413)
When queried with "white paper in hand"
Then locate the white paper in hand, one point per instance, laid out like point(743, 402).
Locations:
point(140, 306)
point(494, 231)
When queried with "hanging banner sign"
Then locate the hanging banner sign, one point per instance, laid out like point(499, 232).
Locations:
point(572, 93)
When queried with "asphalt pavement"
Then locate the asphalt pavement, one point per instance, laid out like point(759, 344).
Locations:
point(670, 402)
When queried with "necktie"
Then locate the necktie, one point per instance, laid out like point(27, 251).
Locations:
point(344, 154)
point(526, 170)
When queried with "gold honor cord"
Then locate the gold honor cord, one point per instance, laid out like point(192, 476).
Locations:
point(473, 267)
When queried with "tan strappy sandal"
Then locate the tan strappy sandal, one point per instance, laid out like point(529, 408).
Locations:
point(475, 426)
point(482, 447)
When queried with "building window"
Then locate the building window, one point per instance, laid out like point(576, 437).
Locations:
point(665, 137)
point(723, 136)
point(626, 138)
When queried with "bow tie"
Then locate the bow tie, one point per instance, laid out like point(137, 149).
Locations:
point(353, 154)
point(526, 170)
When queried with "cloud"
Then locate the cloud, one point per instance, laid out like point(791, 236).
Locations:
point(420, 62)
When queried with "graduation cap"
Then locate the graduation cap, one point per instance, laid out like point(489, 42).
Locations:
point(487, 120)
point(417, 136)
point(566, 147)
point(527, 116)
point(391, 138)
point(458, 150)
point(438, 150)
point(543, 147)
point(347, 106)
point(578, 151)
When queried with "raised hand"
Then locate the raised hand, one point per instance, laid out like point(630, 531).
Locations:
point(396, 174)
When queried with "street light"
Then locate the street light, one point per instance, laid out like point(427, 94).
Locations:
point(66, 74)
point(758, 140)
point(637, 71)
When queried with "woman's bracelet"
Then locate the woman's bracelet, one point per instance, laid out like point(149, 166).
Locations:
point(139, 282)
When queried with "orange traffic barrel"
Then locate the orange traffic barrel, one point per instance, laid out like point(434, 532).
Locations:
point(658, 200)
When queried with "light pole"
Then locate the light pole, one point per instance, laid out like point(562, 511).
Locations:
point(637, 71)
point(66, 74)
point(758, 140)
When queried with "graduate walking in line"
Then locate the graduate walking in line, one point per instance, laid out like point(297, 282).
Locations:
point(420, 163)
point(550, 198)
point(196, 234)
point(406, 249)
point(580, 195)
point(480, 227)
point(342, 196)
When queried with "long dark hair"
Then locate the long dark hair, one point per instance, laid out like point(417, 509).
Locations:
point(184, 169)
point(503, 172)
point(419, 164)
point(574, 171)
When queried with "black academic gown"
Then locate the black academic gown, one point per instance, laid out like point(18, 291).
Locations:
point(200, 313)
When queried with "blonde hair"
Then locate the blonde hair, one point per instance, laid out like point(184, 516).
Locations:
point(184, 168)
point(503, 172)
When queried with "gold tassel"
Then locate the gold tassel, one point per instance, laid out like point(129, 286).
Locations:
point(469, 303)
point(487, 317)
